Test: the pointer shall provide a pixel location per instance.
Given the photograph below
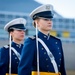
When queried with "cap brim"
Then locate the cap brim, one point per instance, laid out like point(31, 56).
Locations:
point(15, 21)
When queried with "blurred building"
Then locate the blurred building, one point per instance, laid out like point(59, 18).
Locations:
point(64, 28)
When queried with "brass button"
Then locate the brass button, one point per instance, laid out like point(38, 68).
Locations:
point(46, 59)
point(44, 52)
point(56, 42)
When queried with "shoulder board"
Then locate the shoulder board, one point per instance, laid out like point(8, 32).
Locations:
point(6, 46)
point(54, 37)
point(32, 37)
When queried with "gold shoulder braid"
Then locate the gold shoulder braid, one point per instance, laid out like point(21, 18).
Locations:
point(45, 73)
point(11, 74)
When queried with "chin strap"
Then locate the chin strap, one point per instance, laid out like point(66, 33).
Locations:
point(38, 72)
point(10, 55)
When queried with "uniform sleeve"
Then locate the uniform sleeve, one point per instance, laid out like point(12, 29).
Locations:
point(62, 67)
point(26, 58)
point(3, 61)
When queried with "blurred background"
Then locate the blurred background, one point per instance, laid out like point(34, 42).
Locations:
point(63, 24)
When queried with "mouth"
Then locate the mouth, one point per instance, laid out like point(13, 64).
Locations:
point(22, 35)
point(49, 25)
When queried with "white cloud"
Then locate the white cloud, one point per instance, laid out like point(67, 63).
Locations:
point(64, 7)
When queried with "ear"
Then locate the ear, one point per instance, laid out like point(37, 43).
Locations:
point(37, 22)
point(11, 33)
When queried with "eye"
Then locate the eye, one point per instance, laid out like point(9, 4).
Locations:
point(48, 19)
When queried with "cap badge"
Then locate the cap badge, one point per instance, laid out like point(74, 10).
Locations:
point(21, 21)
point(48, 7)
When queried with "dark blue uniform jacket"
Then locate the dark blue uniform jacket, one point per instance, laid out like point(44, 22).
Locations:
point(4, 59)
point(29, 55)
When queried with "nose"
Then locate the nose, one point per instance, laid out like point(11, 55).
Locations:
point(22, 31)
point(50, 19)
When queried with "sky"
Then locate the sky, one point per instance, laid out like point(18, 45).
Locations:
point(66, 8)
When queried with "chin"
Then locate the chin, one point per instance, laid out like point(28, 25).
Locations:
point(49, 29)
point(21, 39)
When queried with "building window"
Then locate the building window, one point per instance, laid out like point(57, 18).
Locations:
point(2, 15)
point(10, 16)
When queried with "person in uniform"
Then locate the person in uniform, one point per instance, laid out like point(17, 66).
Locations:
point(10, 54)
point(42, 53)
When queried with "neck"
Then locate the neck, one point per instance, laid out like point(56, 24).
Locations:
point(17, 41)
point(45, 32)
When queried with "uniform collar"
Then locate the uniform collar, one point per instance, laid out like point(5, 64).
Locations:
point(15, 44)
point(42, 35)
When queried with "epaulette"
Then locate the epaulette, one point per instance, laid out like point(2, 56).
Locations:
point(54, 37)
point(32, 37)
point(6, 46)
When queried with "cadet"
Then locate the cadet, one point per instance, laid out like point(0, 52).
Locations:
point(10, 54)
point(42, 54)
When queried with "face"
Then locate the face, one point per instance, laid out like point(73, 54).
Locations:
point(18, 35)
point(44, 24)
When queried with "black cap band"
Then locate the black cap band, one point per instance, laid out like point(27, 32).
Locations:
point(17, 26)
point(45, 14)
